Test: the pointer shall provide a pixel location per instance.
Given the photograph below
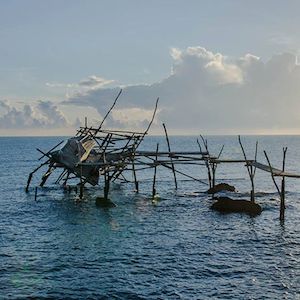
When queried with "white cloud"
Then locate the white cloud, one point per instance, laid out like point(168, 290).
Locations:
point(211, 92)
point(93, 81)
point(43, 115)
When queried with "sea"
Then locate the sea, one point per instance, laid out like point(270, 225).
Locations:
point(58, 246)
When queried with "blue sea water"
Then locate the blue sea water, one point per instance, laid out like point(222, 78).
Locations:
point(60, 247)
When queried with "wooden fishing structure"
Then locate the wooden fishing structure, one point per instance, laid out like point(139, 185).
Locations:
point(95, 155)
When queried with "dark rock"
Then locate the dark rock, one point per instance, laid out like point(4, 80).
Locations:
point(227, 205)
point(221, 187)
point(102, 202)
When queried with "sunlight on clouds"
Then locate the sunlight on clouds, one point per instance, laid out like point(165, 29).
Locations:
point(215, 93)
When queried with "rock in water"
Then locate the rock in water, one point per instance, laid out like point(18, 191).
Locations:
point(221, 187)
point(227, 205)
point(102, 202)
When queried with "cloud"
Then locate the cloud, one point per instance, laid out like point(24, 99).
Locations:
point(94, 81)
point(211, 92)
point(91, 82)
point(42, 115)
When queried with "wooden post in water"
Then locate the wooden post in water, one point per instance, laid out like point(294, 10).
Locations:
point(154, 176)
point(282, 198)
point(81, 184)
point(106, 185)
point(250, 169)
point(169, 149)
point(281, 191)
point(35, 193)
point(207, 166)
point(213, 167)
point(136, 183)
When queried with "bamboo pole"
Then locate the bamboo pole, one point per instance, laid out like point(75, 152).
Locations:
point(169, 148)
point(281, 191)
point(282, 198)
point(107, 178)
point(177, 171)
point(250, 170)
point(134, 173)
point(47, 174)
point(81, 184)
point(105, 117)
point(35, 193)
point(31, 174)
point(154, 176)
point(207, 166)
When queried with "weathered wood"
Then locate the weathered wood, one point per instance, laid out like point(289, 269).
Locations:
point(47, 153)
point(31, 174)
point(35, 193)
point(207, 166)
point(134, 174)
point(168, 153)
point(106, 185)
point(46, 175)
point(109, 111)
point(276, 172)
point(169, 148)
point(250, 171)
point(282, 198)
point(154, 176)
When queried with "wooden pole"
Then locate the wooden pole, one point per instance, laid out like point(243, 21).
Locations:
point(250, 170)
point(81, 184)
point(169, 149)
point(207, 166)
point(106, 185)
point(154, 176)
point(213, 174)
point(282, 198)
point(134, 176)
point(282, 191)
point(31, 174)
point(35, 193)
point(46, 175)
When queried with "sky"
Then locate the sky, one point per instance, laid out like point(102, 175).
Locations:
point(218, 66)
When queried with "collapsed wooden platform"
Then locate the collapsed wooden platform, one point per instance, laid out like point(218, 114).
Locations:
point(95, 152)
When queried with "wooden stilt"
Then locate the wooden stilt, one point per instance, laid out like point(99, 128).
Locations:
point(213, 166)
point(28, 182)
point(281, 191)
point(169, 149)
point(106, 185)
point(35, 193)
point(134, 177)
point(81, 184)
point(282, 198)
point(250, 169)
point(66, 179)
point(31, 174)
point(154, 175)
point(46, 175)
point(206, 160)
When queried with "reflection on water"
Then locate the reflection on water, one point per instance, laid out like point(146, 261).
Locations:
point(175, 248)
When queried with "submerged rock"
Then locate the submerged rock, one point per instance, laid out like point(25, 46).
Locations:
point(102, 202)
point(221, 187)
point(227, 205)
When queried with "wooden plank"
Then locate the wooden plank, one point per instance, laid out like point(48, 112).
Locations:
point(275, 171)
point(153, 153)
point(231, 161)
